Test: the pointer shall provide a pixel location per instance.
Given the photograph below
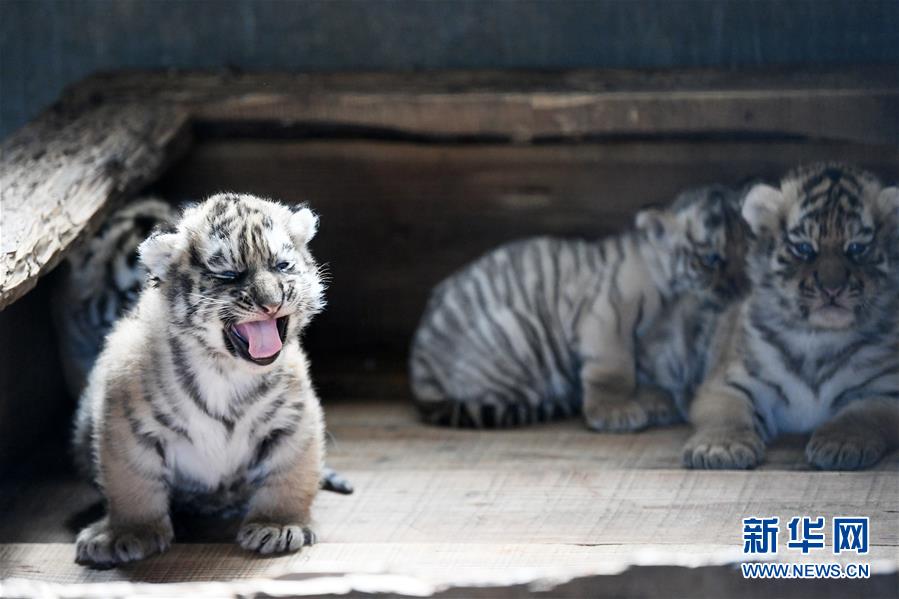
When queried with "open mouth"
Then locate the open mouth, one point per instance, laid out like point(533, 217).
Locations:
point(259, 341)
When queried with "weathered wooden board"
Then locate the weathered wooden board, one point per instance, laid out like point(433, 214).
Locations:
point(398, 217)
point(61, 173)
point(523, 105)
point(459, 506)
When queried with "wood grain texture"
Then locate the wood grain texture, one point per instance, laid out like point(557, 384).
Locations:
point(59, 175)
point(859, 105)
point(46, 44)
point(397, 217)
point(460, 506)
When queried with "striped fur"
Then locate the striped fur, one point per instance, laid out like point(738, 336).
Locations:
point(815, 346)
point(547, 328)
point(175, 409)
point(102, 279)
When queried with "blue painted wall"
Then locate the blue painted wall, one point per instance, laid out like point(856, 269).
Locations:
point(47, 44)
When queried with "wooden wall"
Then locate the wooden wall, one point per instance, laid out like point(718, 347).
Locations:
point(398, 217)
point(34, 406)
point(48, 44)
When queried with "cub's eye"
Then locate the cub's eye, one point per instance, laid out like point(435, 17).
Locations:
point(711, 260)
point(227, 275)
point(284, 266)
point(803, 250)
point(856, 250)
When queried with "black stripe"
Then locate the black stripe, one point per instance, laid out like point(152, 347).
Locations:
point(189, 383)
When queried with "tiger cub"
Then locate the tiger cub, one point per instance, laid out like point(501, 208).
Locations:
point(546, 328)
point(102, 281)
point(815, 346)
point(201, 394)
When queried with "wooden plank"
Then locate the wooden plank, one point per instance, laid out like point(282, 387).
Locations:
point(465, 506)
point(398, 217)
point(59, 174)
point(710, 582)
point(432, 563)
point(523, 105)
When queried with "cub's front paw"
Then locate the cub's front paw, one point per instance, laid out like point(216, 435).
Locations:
point(269, 537)
point(833, 448)
point(615, 415)
point(723, 448)
point(103, 545)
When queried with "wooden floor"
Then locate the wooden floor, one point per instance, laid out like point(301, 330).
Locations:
point(459, 507)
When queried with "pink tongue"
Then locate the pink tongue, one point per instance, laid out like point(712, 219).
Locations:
point(262, 335)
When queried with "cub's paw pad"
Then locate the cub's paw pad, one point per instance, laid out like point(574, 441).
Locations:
point(616, 416)
point(268, 537)
point(720, 449)
point(103, 546)
point(844, 450)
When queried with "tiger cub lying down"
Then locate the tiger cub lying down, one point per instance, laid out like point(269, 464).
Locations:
point(815, 346)
point(201, 395)
point(617, 329)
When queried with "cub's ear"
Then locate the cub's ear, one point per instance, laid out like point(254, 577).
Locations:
point(655, 223)
point(888, 201)
point(159, 251)
point(303, 224)
point(762, 206)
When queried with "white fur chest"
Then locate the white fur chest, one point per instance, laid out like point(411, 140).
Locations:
point(794, 408)
point(799, 394)
point(215, 447)
point(211, 456)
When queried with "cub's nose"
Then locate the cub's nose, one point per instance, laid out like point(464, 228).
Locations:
point(270, 309)
point(831, 278)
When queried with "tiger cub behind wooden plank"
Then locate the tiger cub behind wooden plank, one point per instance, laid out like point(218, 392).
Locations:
point(102, 280)
point(814, 347)
point(546, 328)
point(201, 393)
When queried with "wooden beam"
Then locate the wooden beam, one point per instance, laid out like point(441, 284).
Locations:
point(61, 173)
point(861, 106)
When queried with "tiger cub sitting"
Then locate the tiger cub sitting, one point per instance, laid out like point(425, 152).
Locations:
point(101, 282)
point(545, 328)
point(815, 346)
point(201, 394)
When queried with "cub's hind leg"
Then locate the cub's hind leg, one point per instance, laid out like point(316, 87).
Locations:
point(130, 472)
point(612, 401)
point(608, 373)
